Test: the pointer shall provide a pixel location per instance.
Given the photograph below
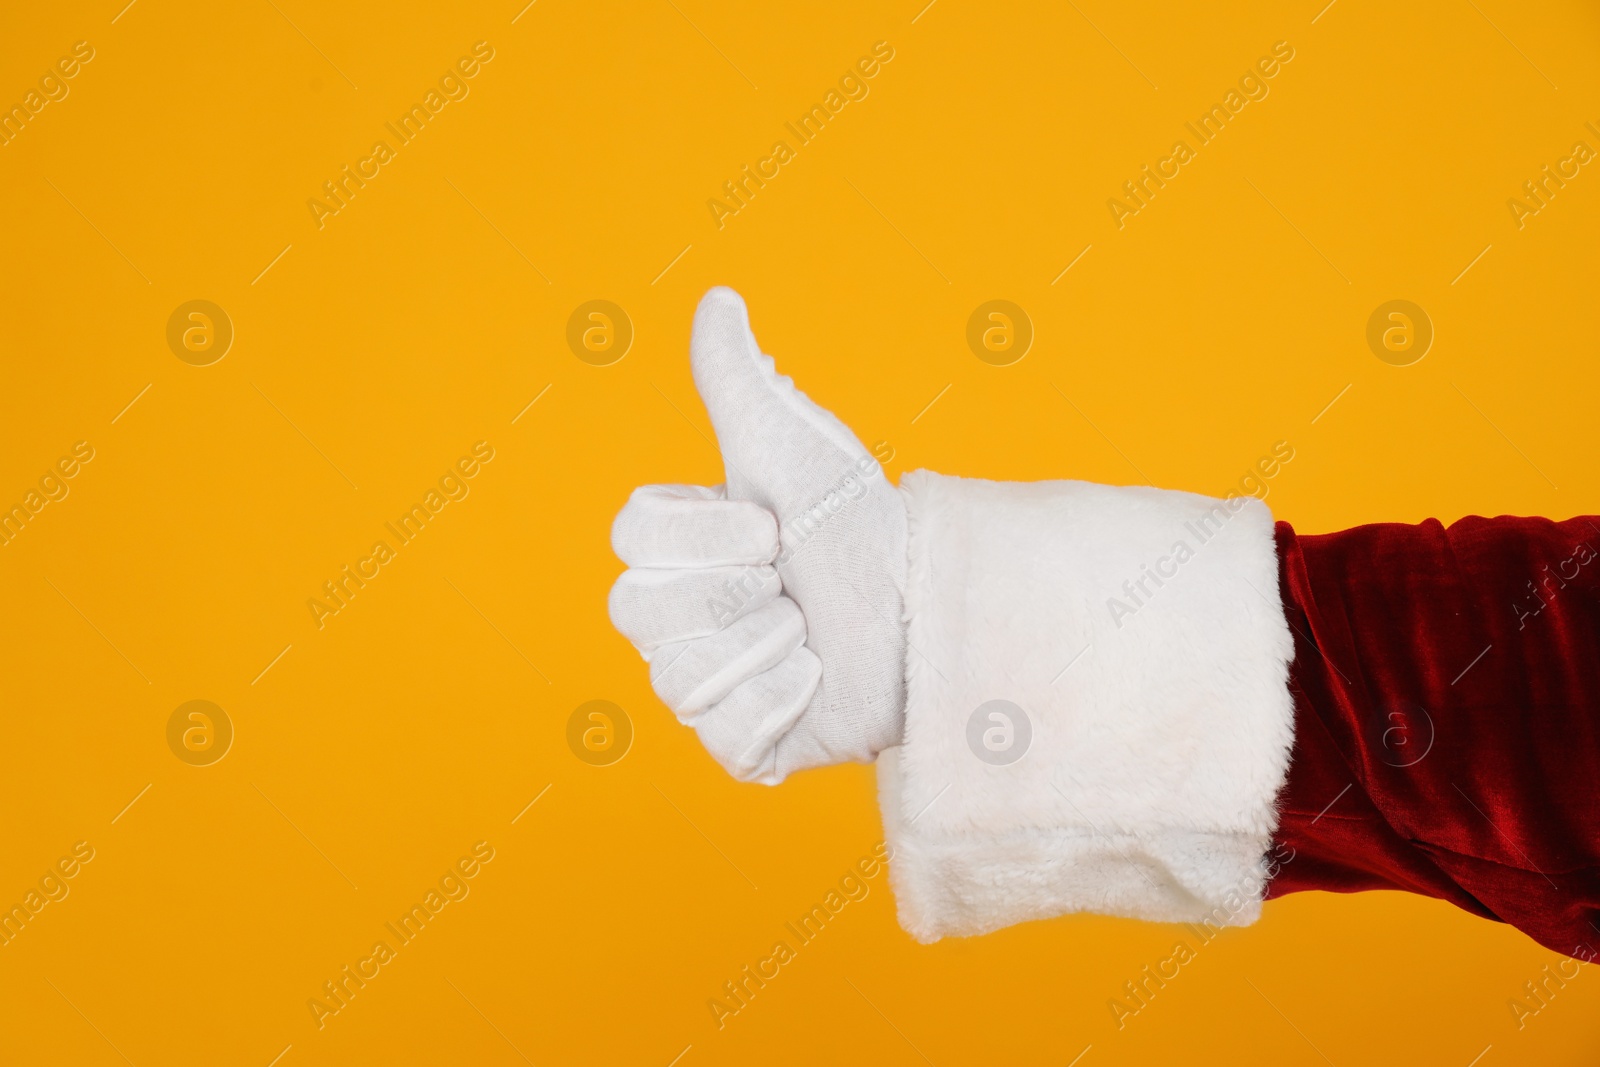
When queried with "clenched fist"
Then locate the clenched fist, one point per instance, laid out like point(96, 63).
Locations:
point(770, 609)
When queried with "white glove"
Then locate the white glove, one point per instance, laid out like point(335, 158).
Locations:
point(774, 680)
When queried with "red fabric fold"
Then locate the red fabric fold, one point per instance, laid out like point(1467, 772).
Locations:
point(1447, 718)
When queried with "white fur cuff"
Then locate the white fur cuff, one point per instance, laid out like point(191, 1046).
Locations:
point(1098, 716)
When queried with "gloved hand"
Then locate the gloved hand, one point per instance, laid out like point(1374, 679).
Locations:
point(771, 611)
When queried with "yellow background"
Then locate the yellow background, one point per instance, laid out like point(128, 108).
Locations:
point(423, 718)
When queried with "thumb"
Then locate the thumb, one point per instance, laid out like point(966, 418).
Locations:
point(779, 449)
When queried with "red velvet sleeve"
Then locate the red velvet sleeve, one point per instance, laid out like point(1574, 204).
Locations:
point(1447, 716)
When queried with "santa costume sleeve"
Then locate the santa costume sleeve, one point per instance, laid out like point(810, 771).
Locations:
point(1154, 704)
point(1446, 683)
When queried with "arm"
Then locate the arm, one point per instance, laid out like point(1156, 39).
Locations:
point(1081, 697)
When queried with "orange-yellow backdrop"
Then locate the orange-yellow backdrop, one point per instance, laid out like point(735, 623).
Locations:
point(373, 347)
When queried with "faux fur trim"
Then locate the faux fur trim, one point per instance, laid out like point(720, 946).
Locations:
point(1141, 633)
